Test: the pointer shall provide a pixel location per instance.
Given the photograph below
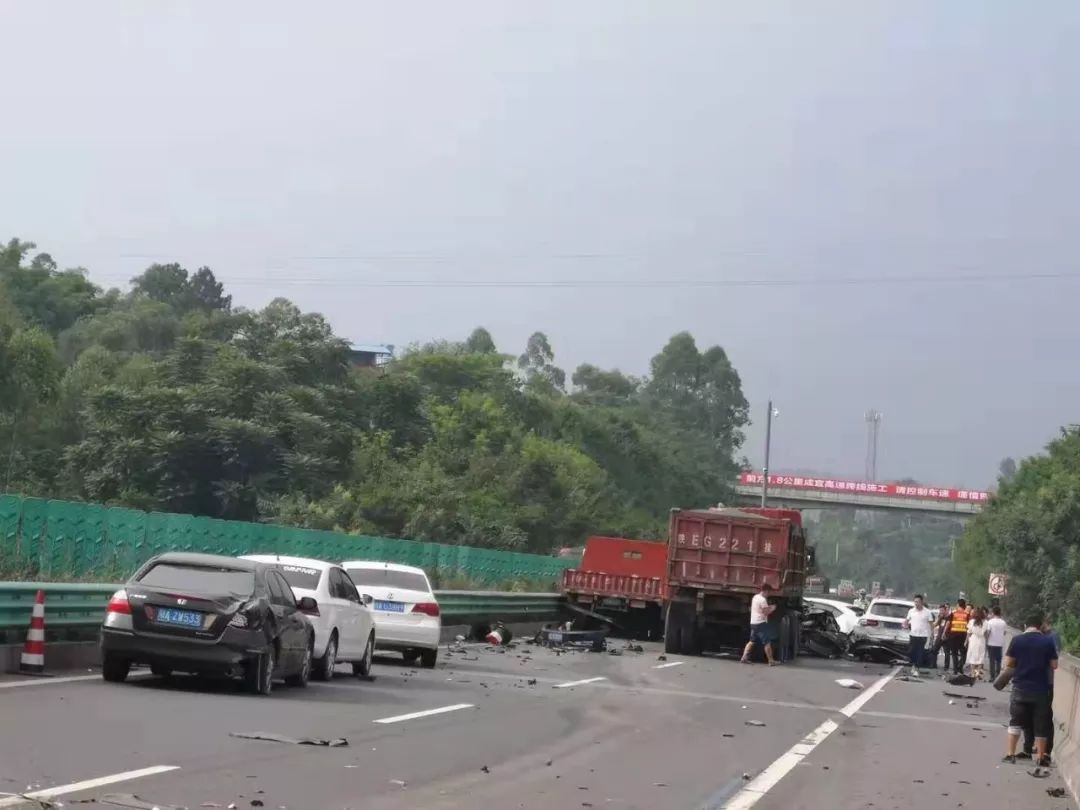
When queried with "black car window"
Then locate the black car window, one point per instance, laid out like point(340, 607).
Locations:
point(280, 592)
point(388, 578)
point(347, 587)
point(200, 578)
point(334, 584)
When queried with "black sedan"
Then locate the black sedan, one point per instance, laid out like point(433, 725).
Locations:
point(209, 615)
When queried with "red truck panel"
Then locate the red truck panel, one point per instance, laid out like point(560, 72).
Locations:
point(734, 551)
point(614, 566)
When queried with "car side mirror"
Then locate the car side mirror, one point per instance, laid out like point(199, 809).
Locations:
point(367, 599)
point(308, 605)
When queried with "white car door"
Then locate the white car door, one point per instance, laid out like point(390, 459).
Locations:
point(362, 615)
point(350, 645)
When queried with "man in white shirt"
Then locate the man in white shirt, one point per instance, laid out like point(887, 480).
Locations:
point(760, 629)
point(918, 622)
point(995, 641)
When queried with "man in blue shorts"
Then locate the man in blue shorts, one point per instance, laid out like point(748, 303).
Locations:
point(760, 629)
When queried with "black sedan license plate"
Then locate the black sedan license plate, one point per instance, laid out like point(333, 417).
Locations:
point(182, 618)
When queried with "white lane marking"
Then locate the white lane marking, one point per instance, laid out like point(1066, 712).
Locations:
point(89, 784)
point(47, 681)
point(672, 664)
point(578, 683)
point(414, 715)
point(766, 780)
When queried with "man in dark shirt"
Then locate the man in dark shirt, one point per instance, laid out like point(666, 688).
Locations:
point(1032, 657)
point(1029, 732)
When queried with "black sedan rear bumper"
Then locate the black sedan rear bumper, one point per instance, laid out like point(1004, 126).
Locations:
point(226, 656)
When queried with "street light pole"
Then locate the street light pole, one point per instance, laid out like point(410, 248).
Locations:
point(768, 441)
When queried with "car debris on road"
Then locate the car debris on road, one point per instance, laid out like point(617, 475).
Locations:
point(339, 742)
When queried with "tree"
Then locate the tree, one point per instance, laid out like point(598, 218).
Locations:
point(597, 385)
point(537, 363)
point(480, 342)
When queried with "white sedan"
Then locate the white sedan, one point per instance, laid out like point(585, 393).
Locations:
point(344, 625)
point(846, 614)
point(407, 616)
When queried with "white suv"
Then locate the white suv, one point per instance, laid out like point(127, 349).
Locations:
point(407, 616)
point(344, 625)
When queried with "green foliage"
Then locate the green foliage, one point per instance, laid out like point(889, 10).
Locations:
point(168, 398)
point(1030, 530)
point(909, 553)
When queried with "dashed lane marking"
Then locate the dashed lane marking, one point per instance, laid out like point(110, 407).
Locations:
point(89, 784)
point(400, 718)
point(48, 681)
point(765, 781)
point(672, 664)
point(568, 684)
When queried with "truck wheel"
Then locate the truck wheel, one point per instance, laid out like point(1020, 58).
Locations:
point(672, 631)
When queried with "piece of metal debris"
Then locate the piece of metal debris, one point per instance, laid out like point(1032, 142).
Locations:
point(399, 782)
point(337, 742)
point(756, 723)
point(1056, 793)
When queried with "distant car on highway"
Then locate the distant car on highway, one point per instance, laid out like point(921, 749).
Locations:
point(344, 626)
point(208, 614)
point(883, 620)
point(407, 615)
point(846, 614)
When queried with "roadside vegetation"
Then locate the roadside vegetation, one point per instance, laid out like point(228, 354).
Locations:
point(168, 397)
point(1030, 531)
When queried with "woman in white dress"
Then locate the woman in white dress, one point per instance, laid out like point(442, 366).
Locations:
point(976, 644)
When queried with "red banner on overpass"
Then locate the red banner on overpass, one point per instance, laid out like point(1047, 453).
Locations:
point(866, 488)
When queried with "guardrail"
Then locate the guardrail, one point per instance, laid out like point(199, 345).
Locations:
point(1067, 718)
point(74, 609)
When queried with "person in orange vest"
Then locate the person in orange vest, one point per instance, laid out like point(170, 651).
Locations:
point(956, 634)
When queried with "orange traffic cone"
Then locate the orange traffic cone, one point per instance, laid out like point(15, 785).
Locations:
point(32, 661)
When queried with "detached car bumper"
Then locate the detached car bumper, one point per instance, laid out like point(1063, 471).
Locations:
point(225, 656)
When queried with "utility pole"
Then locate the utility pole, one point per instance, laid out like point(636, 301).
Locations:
point(873, 425)
point(768, 441)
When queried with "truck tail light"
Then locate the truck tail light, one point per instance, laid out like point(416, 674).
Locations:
point(118, 603)
point(427, 608)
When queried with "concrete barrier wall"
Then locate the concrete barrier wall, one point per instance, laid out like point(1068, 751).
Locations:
point(1067, 719)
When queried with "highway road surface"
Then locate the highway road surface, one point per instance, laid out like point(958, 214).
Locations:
point(523, 728)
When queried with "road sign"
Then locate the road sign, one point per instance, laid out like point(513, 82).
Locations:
point(999, 585)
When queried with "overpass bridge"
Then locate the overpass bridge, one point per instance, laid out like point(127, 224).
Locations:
point(803, 492)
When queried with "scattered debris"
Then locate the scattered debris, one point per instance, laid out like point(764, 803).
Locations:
point(727, 735)
point(746, 777)
point(399, 782)
point(960, 680)
point(661, 657)
point(531, 682)
point(614, 651)
point(952, 702)
point(338, 742)
point(256, 803)
point(849, 683)
point(485, 769)
point(960, 696)
point(659, 784)
point(911, 679)
point(755, 723)
point(548, 763)
point(1056, 793)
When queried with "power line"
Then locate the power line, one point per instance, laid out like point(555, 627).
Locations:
point(268, 277)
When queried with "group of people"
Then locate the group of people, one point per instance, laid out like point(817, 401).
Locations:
point(970, 636)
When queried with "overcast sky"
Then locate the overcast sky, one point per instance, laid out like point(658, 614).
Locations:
point(309, 150)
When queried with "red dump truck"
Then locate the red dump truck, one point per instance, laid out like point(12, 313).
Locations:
point(717, 560)
point(624, 580)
